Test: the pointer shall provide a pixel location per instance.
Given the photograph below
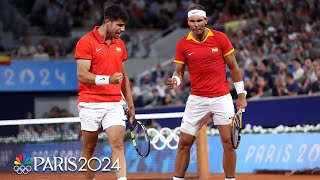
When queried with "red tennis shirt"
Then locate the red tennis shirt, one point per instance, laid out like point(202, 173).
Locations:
point(105, 60)
point(205, 62)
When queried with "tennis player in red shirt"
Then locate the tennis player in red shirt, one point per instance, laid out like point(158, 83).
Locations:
point(100, 56)
point(205, 52)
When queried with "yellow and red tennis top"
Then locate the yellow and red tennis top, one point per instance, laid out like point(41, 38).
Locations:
point(105, 60)
point(205, 62)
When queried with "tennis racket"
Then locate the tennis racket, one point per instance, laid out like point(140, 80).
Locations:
point(236, 127)
point(138, 132)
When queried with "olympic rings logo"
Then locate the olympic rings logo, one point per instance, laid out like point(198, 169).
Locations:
point(19, 169)
point(164, 138)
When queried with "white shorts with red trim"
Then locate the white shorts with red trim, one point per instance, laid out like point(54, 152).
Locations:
point(199, 109)
point(107, 114)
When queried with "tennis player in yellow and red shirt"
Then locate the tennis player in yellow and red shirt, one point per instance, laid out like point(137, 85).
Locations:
point(100, 56)
point(206, 53)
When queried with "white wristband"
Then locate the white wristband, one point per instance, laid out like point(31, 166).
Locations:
point(101, 80)
point(177, 79)
point(240, 87)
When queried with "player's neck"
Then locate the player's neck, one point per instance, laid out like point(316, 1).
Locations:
point(202, 36)
point(102, 30)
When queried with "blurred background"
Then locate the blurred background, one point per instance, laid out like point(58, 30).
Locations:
point(277, 47)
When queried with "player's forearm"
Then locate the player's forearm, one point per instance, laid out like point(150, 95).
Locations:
point(235, 74)
point(238, 82)
point(86, 77)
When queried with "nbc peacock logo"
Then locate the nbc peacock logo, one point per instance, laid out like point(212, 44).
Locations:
point(22, 165)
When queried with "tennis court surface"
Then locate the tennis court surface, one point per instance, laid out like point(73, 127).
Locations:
point(66, 176)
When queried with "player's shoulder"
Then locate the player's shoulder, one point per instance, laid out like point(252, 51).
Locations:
point(87, 38)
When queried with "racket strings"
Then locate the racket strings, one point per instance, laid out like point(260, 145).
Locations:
point(141, 138)
point(235, 130)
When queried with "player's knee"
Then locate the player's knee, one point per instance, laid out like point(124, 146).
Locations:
point(185, 145)
point(89, 147)
point(116, 145)
point(226, 143)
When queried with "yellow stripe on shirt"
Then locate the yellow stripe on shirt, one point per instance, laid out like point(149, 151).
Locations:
point(228, 53)
point(177, 61)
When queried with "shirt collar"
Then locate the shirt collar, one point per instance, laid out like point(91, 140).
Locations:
point(99, 37)
point(190, 37)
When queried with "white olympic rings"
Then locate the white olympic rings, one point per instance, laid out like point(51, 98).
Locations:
point(22, 169)
point(165, 136)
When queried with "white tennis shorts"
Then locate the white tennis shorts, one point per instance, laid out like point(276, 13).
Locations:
point(107, 114)
point(198, 107)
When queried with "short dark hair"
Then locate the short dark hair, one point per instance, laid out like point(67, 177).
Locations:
point(115, 12)
point(195, 6)
point(297, 60)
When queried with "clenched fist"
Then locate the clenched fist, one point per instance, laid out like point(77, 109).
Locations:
point(116, 78)
point(171, 83)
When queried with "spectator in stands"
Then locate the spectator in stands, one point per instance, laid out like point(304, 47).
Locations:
point(27, 50)
point(146, 87)
point(278, 88)
point(168, 98)
point(292, 87)
point(46, 45)
point(309, 51)
point(156, 99)
point(264, 72)
point(263, 88)
point(315, 87)
point(309, 69)
point(61, 25)
point(298, 71)
point(49, 133)
point(161, 87)
point(279, 56)
point(145, 50)
point(158, 73)
point(136, 93)
point(65, 113)
point(23, 133)
point(250, 87)
point(283, 71)
point(29, 115)
point(54, 112)
point(40, 54)
point(251, 72)
point(40, 129)
point(32, 135)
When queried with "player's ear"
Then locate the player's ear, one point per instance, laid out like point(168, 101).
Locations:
point(107, 22)
point(206, 20)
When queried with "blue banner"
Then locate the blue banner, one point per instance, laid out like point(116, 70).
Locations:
point(256, 152)
point(270, 152)
point(23, 76)
point(158, 161)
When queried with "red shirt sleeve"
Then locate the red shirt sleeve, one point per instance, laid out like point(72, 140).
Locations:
point(83, 50)
point(226, 45)
point(180, 55)
point(124, 52)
